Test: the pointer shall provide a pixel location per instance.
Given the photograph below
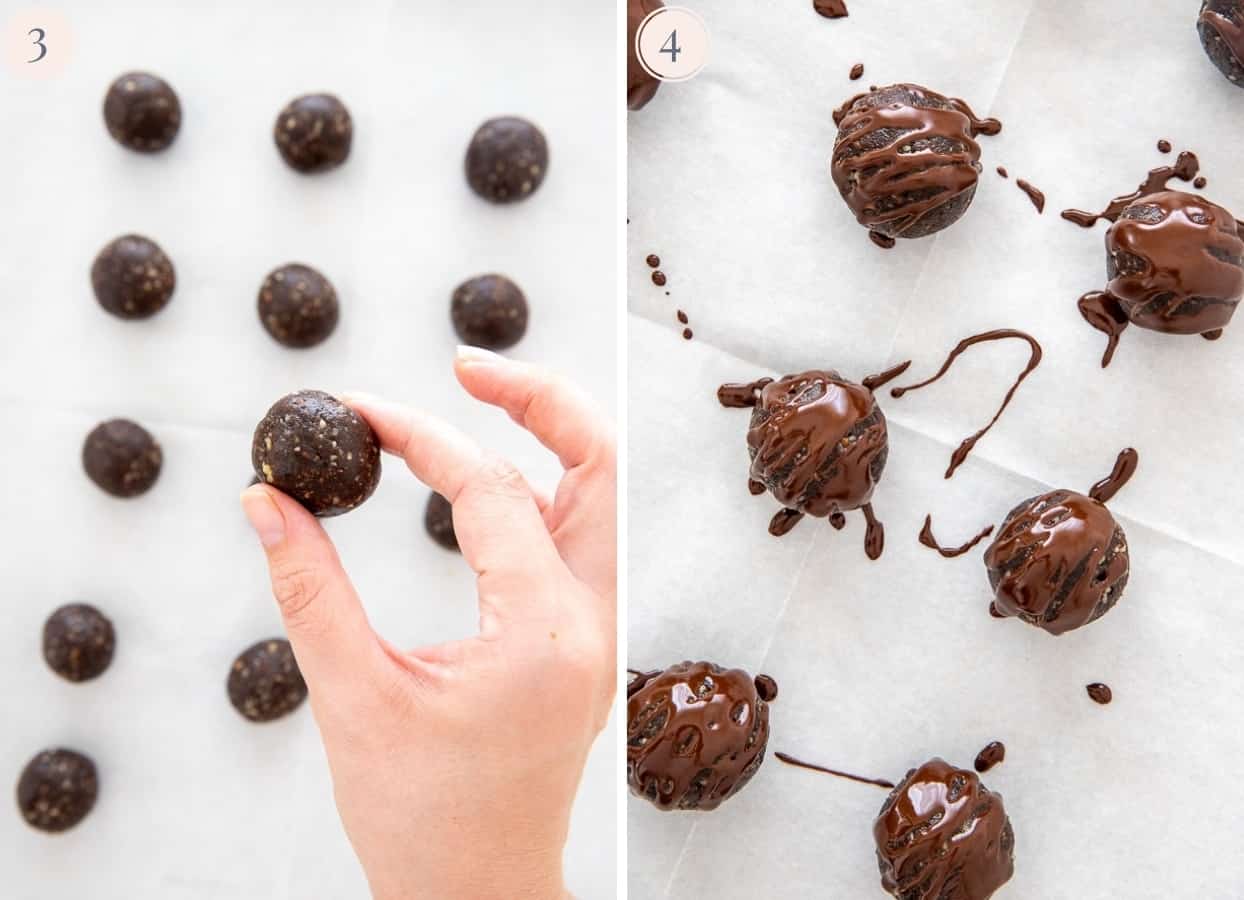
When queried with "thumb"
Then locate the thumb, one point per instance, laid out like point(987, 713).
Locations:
point(324, 618)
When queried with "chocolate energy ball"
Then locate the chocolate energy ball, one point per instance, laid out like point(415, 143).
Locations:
point(906, 159)
point(264, 681)
point(489, 311)
point(132, 277)
point(298, 306)
point(78, 642)
point(507, 160)
point(1221, 27)
point(941, 835)
point(640, 86)
point(142, 112)
point(313, 133)
point(122, 458)
point(695, 734)
point(57, 789)
point(438, 519)
point(313, 447)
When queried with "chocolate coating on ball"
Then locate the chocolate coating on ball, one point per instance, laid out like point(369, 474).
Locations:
point(906, 160)
point(1221, 27)
point(142, 112)
point(57, 790)
point(489, 311)
point(298, 306)
point(507, 160)
point(696, 734)
point(78, 642)
point(438, 519)
point(122, 458)
point(640, 86)
point(941, 835)
point(317, 450)
point(1059, 562)
point(313, 133)
point(132, 277)
point(264, 681)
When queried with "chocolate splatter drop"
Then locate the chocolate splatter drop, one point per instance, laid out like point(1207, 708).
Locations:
point(1200, 182)
point(926, 538)
point(991, 754)
point(1100, 693)
point(687, 334)
point(1035, 195)
point(831, 9)
point(1002, 171)
point(653, 261)
point(682, 317)
point(857, 71)
point(1124, 469)
point(1164, 146)
point(884, 241)
point(658, 278)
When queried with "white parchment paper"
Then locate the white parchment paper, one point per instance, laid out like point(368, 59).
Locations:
point(882, 665)
point(195, 802)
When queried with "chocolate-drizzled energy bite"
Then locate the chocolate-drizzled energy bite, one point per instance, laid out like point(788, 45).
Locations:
point(507, 160)
point(57, 790)
point(264, 681)
point(696, 733)
point(132, 277)
point(1221, 27)
point(142, 112)
point(314, 133)
point(906, 159)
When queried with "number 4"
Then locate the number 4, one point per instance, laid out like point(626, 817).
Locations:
point(671, 46)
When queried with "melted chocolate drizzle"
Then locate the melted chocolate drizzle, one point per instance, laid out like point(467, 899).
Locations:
point(874, 534)
point(872, 382)
point(1232, 34)
point(792, 761)
point(884, 241)
point(641, 678)
point(1001, 170)
point(991, 754)
point(926, 538)
point(961, 454)
point(1035, 195)
point(831, 9)
point(1121, 474)
point(1185, 169)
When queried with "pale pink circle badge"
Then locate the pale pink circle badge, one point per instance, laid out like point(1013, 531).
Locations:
point(38, 43)
point(672, 43)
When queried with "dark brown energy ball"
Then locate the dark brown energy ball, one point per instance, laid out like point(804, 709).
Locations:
point(298, 306)
point(695, 734)
point(942, 835)
point(640, 86)
point(489, 311)
point(132, 277)
point(313, 447)
point(438, 519)
point(142, 112)
point(78, 642)
point(507, 160)
point(1221, 27)
point(57, 789)
point(122, 457)
point(313, 133)
point(906, 159)
point(264, 681)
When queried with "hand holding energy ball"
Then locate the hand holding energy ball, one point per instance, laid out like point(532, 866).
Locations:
point(454, 766)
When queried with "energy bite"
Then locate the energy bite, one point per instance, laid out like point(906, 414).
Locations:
point(906, 159)
point(57, 789)
point(1221, 27)
point(317, 450)
point(298, 306)
point(696, 734)
point(132, 277)
point(489, 311)
point(438, 519)
point(507, 160)
point(264, 681)
point(640, 86)
point(142, 112)
point(941, 835)
point(313, 133)
point(122, 458)
point(78, 642)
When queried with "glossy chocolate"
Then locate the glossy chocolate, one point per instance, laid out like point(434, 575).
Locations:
point(991, 755)
point(906, 160)
point(695, 734)
point(1099, 693)
point(831, 9)
point(1034, 194)
point(640, 86)
point(799, 763)
point(1221, 28)
point(928, 540)
point(941, 835)
point(857, 72)
point(1185, 169)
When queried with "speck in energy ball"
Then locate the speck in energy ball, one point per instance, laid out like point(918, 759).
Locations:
point(489, 311)
point(122, 458)
point(640, 86)
point(57, 789)
point(942, 835)
point(507, 160)
point(1221, 27)
point(906, 159)
point(78, 642)
point(142, 112)
point(264, 681)
point(696, 734)
point(313, 133)
point(317, 450)
point(298, 306)
point(132, 277)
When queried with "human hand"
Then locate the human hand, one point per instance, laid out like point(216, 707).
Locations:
point(455, 766)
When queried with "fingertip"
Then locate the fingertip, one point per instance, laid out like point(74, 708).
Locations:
point(264, 515)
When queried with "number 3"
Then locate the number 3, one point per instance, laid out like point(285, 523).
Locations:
point(38, 42)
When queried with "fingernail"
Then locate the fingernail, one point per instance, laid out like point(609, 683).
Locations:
point(264, 517)
point(478, 355)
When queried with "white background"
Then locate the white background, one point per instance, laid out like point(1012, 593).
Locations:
point(195, 802)
point(884, 664)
